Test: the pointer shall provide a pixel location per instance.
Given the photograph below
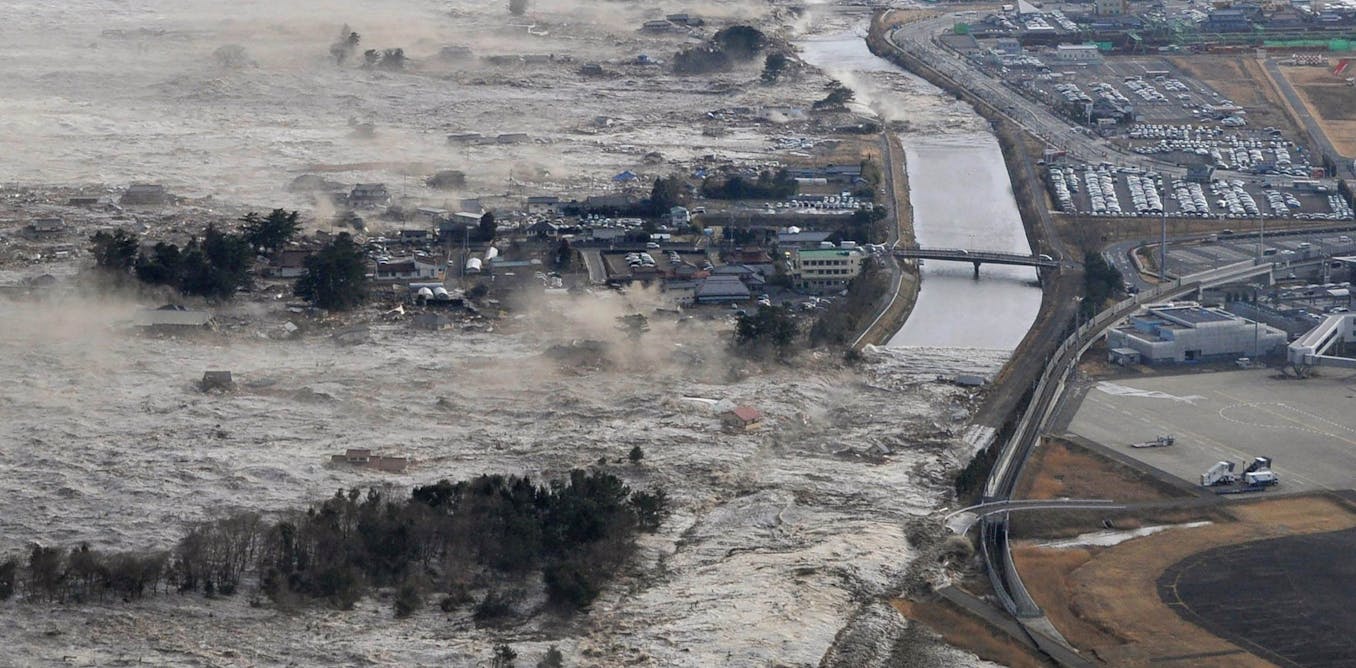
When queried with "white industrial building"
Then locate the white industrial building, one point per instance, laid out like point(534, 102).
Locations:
point(1187, 331)
point(1077, 54)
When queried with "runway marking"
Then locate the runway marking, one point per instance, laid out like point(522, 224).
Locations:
point(1259, 406)
point(1209, 445)
point(1298, 425)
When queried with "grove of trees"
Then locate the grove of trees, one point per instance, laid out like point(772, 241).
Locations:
point(497, 533)
point(336, 276)
point(214, 266)
point(768, 185)
point(771, 328)
point(1101, 282)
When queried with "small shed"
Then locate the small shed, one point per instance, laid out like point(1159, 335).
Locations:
point(1123, 356)
point(742, 418)
point(218, 381)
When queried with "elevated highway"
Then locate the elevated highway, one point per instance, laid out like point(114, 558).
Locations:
point(998, 489)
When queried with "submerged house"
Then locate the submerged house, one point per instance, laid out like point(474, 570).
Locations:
point(742, 418)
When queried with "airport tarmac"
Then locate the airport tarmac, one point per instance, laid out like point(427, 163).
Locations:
point(1305, 426)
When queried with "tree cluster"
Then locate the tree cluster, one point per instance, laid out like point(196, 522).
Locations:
point(666, 193)
point(385, 59)
point(572, 534)
point(768, 185)
point(727, 47)
point(213, 267)
point(773, 66)
point(343, 48)
point(336, 276)
point(771, 329)
point(1101, 282)
point(837, 98)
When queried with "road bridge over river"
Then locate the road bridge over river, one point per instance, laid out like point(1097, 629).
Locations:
point(975, 257)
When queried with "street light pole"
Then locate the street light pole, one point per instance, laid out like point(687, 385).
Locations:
point(1163, 240)
point(1261, 234)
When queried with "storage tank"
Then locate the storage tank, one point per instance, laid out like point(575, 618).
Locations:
point(491, 253)
point(439, 293)
point(424, 293)
point(473, 265)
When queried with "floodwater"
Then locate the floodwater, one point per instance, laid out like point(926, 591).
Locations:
point(962, 198)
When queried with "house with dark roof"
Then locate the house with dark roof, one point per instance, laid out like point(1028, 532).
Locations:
point(804, 240)
point(290, 262)
point(722, 289)
point(144, 194)
point(369, 195)
point(46, 227)
point(543, 204)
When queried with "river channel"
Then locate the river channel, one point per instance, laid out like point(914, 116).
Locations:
point(962, 198)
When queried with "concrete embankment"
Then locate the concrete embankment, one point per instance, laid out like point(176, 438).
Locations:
point(906, 280)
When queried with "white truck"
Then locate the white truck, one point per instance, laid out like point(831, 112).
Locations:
point(1222, 473)
point(1257, 475)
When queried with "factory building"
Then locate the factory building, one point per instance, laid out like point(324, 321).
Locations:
point(1189, 332)
point(1077, 53)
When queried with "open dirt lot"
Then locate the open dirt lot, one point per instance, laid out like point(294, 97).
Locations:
point(1331, 101)
point(1234, 415)
point(1106, 600)
point(1242, 80)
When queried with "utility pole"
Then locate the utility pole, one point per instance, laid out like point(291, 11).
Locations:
point(1261, 234)
point(1163, 240)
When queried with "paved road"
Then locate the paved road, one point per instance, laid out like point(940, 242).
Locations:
point(891, 264)
point(916, 39)
point(593, 261)
point(1316, 133)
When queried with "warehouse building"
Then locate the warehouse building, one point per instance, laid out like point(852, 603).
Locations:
point(1188, 332)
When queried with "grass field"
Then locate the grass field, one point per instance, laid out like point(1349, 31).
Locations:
point(1330, 100)
point(1106, 600)
point(1060, 469)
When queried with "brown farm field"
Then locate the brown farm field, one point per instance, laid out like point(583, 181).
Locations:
point(1059, 469)
point(1105, 600)
point(1331, 101)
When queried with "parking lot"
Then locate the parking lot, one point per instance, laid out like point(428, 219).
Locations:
point(1105, 190)
point(1163, 93)
point(1195, 257)
point(1304, 425)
